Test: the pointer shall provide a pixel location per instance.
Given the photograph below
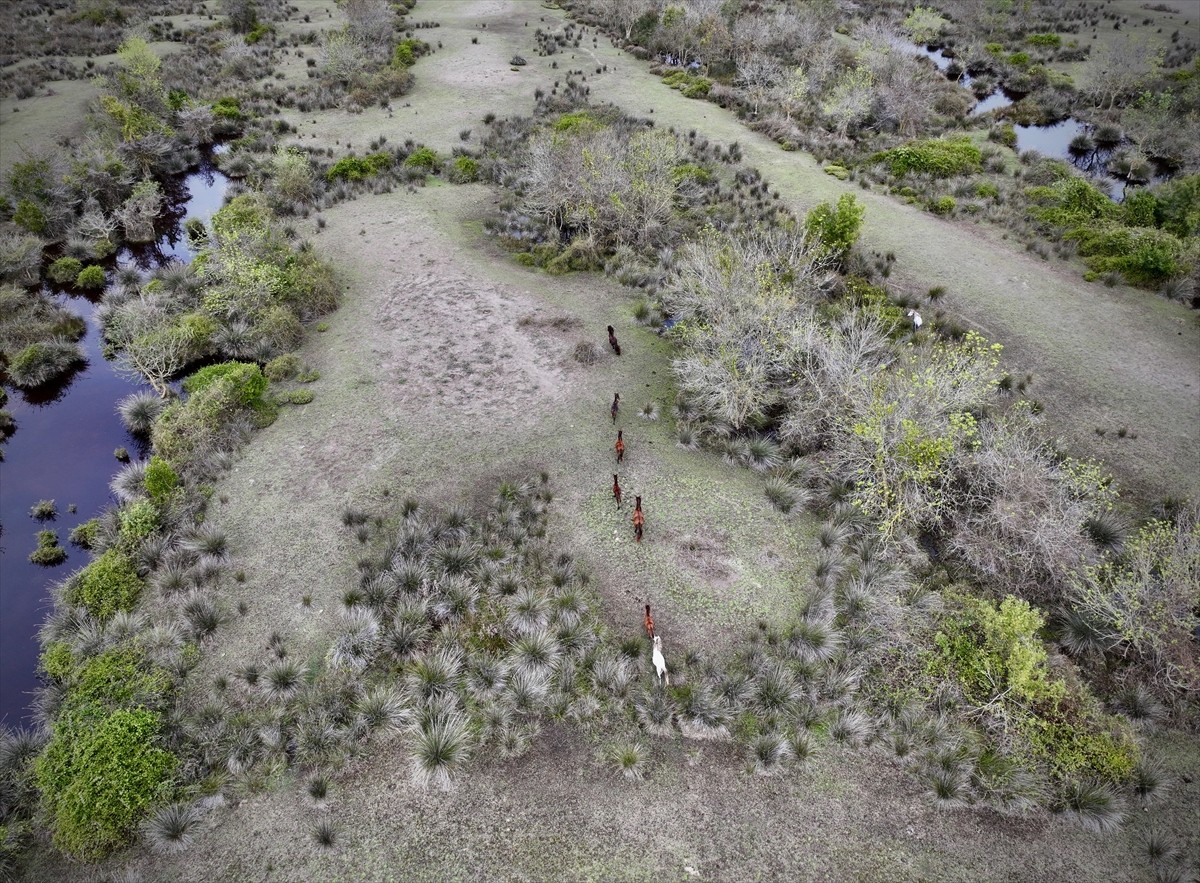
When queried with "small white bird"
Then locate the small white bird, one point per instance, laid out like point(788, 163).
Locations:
point(916, 319)
point(660, 662)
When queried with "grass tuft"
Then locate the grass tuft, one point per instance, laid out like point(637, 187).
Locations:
point(170, 828)
point(1096, 806)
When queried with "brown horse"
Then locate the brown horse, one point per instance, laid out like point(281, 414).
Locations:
point(620, 446)
point(616, 491)
point(612, 340)
point(639, 519)
point(616, 406)
point(649, 623)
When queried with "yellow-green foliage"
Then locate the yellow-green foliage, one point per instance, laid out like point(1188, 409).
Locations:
point(188, 430)
point(691, 85)
point(939, 157)
point(924, 25)
point(996, 654)
point(996, 651)
point(99, 774)
point(575, 121)
point(1147, 597)
point(408, 51)
point(110, 583)
point(57, 661)
point(138, 519)
point(357, 168)
point(836, 229)
point(161, 480)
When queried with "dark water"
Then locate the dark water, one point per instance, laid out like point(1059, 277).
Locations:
point(1053, 141)
point(63, 451)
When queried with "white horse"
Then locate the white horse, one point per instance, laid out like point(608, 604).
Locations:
point(660, 662)
point(916, 319)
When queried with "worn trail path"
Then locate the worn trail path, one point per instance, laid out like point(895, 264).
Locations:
point(1101, 357)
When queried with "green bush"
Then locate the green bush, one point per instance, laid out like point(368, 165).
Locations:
point(84, 535)
point(423, 158)
point(1144, 256)
point(227, 108)
point(259, 31)
point(575, 121)
point(840, 172)
point(464, 170)
point(1177, 206)
point(1053, 40)
point(56, 661)
point(110, 583)
point(943, 205)
point(1070, 202)
point(48, 552)
point(939, 157)
point(90, 278)
point(187, 431)
point(121, 677)
point(161, 480)
point(64, 271)
point(30, 216)
point(42, 361)
point(692, 86)
point(138, 521)
point(987, 190)
point(99, 774)
point(408, 51)
point(1019, 59)
point(836, 229)
point(690, 172)
point(283, 367)
point(357, 168)
point(996, 651)
point(247, 379)
point(1073, 748)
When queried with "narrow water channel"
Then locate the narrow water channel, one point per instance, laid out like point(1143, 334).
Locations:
point(63, 450)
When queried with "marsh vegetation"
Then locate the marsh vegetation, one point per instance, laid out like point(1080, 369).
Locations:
point(977, 609)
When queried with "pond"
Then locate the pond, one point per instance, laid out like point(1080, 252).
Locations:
point(63, 447)
point(1053, 141)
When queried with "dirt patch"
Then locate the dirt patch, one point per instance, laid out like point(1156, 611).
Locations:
point(706, 555)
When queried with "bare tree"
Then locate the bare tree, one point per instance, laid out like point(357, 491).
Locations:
point(759, 75)
point(624, 14)
point(371, 24)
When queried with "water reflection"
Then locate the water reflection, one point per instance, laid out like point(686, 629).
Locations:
point(63, 447)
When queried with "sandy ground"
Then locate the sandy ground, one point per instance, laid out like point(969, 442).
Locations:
point(447, 367)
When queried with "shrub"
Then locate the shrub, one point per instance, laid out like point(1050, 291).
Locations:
point(108, 584)
point(997, 650)
point(423, 158)
point(44, 510)
point(355, 168)
point(943, 205)
point(1177, 206)
point(227, 108)
point(30, 216)
point(836, 229)
point(161, 479)
point(464, 170)
point(283, 367)
point(84, 535)
point(246, 379)
point(938, 157)
point(56, 661)
point(65, 270)
point(1144, 256)
point(408, 51)
point(43, 361)
point(1052, 40)
point(138, 520)
point(48, 552)
point(99, 774)
point(90, 278)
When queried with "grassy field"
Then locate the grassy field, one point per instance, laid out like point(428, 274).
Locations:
point(448, 367)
